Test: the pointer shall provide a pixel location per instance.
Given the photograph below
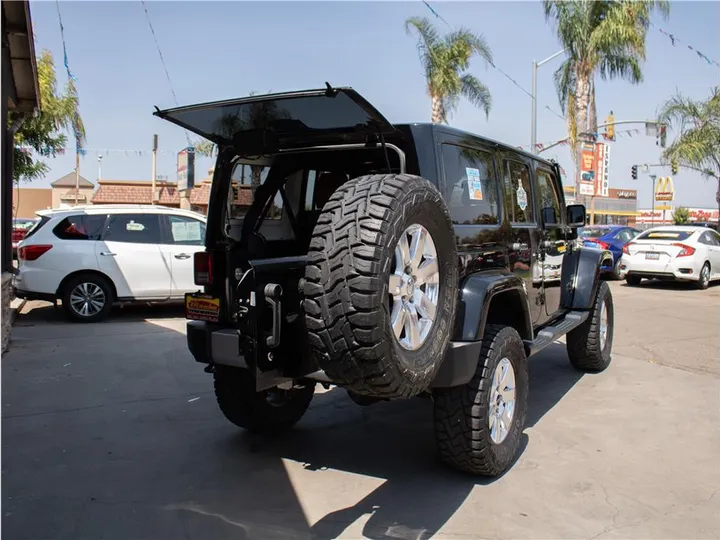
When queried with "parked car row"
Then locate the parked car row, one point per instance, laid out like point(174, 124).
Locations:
point(674, 253)
point(94, 256)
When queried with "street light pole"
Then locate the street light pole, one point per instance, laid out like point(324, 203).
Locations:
point(533, 117)
point(652, 212)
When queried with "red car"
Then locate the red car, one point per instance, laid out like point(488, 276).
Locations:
point(21, 226)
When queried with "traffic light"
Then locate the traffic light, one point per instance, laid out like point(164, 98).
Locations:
point(674, 166)
point(634, 172)
point(610, 128)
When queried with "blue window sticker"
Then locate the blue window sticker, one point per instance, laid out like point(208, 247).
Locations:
point(474, 185)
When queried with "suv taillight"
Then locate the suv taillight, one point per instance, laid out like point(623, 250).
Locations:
point(202, 266)
point(31, 253)
point(686, 251)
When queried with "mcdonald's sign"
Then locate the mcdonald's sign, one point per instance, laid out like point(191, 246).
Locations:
point(664, 189)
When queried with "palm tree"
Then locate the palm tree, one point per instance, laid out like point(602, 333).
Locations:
point(698, 124)
point(605, 38)
point(445, 61)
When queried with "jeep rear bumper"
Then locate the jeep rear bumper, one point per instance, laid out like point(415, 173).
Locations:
point(212, 344)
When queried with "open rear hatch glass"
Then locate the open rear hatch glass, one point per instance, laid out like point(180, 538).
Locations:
point(274, 122)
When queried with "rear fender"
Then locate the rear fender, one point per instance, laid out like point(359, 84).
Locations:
point(581, 277)
point(492, 297)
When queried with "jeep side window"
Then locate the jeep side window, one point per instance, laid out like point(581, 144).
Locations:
point(517, 192)
point(546, 193)
point(470, 185)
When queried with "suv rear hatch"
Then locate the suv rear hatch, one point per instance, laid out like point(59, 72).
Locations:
point(274, 122)
point(239, 282)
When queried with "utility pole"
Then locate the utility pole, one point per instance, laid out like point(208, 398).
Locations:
point(77, 176)
point(533, 117)
point(154, 167)
point(652, 212)
point(99, 167)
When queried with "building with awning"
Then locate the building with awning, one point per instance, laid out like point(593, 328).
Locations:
point(20, 93)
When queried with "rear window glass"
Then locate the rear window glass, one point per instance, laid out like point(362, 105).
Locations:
point(38, 224)
point(592, 232)
point(80, 227)
point(665, 235)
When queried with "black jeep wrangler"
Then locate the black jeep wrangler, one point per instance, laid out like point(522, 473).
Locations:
point(390, 260)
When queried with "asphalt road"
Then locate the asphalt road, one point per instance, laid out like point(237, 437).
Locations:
point(111, 431)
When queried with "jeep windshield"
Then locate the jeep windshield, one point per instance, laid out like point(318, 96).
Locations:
point(269, 123)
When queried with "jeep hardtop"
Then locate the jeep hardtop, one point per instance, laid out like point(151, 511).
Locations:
point(389, 260)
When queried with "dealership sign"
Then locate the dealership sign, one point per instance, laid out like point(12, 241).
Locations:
point(626, 193)
point(695, 214)
point(602, 161)
point(186, 169)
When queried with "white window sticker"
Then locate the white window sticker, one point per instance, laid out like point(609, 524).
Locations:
point(474, 185)
point(132, 226)
point(186, 231)
point(522, 198)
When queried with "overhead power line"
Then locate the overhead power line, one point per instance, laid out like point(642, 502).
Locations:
point(164, 65)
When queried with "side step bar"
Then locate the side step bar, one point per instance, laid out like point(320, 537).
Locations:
point(548, 335)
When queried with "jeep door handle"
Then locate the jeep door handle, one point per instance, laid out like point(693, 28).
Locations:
point(107, 253)
point(182, 256)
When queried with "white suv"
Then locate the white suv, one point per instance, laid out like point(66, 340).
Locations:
point(92, 256)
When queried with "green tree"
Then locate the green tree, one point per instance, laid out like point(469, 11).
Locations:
point(681, 215)
point(45, 131)
point(697, 145)
point(445, 61)
point(605, 38)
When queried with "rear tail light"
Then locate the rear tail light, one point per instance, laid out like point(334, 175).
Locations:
point(626, 248)
point(31, 253)
point(202, 266)
point(603, 245)
point(686, 251)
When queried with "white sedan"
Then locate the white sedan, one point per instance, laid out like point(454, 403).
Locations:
point(678, 253)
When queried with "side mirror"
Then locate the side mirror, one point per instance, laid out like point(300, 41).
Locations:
point(576, 215)
point(549, 218)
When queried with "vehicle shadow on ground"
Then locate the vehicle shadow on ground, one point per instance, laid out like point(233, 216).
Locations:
point(43, 312)
point(658, 284)
point(394, 441)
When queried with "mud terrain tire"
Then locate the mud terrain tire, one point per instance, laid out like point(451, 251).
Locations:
point(348, 304)
point(254, 411)
point(462, 414)
point(589, 346)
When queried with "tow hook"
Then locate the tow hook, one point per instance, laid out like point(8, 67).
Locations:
point(210, 368)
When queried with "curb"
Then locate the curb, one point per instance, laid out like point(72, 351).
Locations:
point(16, 306)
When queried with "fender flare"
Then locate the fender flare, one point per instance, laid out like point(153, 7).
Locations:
point(581, 277)
point(477, 292)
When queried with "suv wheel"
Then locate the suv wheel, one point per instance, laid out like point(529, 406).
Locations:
point(589, 345)
point(87, 298)
point(381, 285)
point(478, 426)
point(269, 411)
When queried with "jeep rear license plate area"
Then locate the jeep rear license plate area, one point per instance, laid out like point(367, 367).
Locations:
point(202, 307)
point(652, 256)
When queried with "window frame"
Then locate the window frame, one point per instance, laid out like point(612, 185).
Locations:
point(161, 227)
point(556, 189)
point(444, 185)
point(532, 196)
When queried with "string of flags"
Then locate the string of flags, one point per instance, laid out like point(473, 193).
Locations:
point(128, 152)
point(675, 41)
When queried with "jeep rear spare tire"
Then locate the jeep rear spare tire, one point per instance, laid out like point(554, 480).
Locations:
point(381, 285)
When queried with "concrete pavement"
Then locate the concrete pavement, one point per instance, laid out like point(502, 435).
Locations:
point(112, 431)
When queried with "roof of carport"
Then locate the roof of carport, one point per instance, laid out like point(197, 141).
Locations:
point(20, 60)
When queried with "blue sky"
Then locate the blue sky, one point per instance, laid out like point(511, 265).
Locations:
point(217, 50)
